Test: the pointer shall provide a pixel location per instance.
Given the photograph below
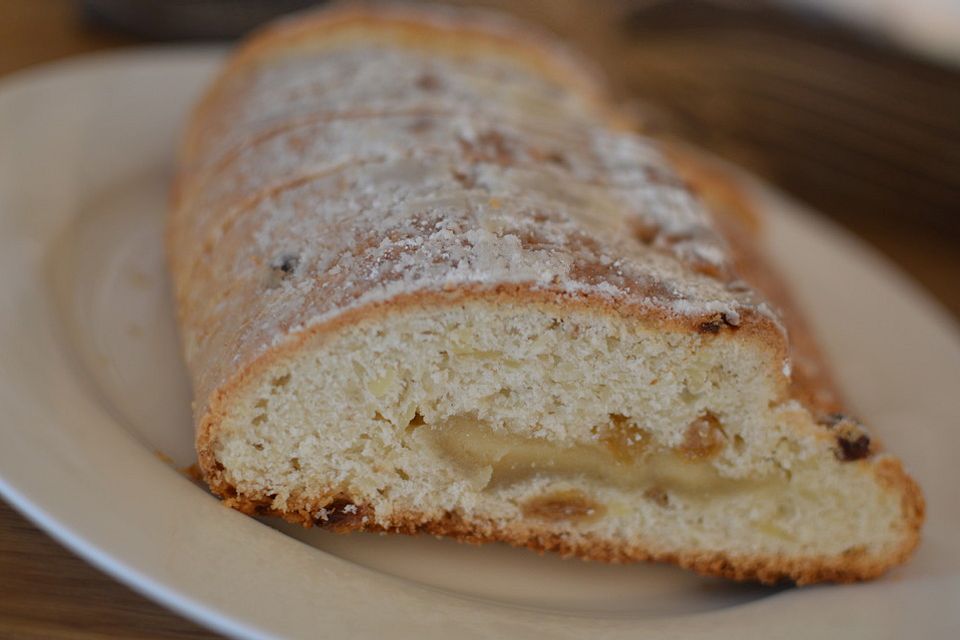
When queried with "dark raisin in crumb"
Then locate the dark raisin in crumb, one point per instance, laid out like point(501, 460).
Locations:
point(280, 269)
point(712, 326)
point(852, 441)
point(286, 263)
point(854, 449)
point(340, 513)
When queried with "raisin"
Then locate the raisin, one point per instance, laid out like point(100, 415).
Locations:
point(281, 268)
point(853, 443)
point(570, 504)
point(340, 515)
point(623, 438)
point(287, 263)
point(854, 449)
point(703, 439)
point(712, 326)
point(719, 321)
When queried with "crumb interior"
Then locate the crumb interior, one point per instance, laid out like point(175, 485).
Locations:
point(531, 414)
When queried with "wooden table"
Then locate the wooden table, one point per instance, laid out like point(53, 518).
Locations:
point(870, 136)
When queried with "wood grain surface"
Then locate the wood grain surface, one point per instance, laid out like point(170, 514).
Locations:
point(864, 133)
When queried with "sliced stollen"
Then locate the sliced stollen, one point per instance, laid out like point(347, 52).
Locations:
point(427, 282)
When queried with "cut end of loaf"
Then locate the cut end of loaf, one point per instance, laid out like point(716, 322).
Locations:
point(586, 432)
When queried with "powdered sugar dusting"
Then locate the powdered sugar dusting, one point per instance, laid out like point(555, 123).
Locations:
point(374, 78)
point(424, 175)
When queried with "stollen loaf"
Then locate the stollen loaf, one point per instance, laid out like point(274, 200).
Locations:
point(428, 280)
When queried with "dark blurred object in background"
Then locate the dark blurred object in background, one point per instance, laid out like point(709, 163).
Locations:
point(186, 19)
point(845, 118)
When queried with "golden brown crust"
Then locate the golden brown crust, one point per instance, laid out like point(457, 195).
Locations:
point(851, 566)
point(734, 212)
point(811, 382)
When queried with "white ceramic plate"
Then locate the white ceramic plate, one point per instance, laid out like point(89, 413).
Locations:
point(91, 388)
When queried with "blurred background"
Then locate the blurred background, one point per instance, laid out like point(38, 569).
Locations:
point(852, 106)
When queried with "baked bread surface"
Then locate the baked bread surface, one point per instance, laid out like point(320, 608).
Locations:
point(427, 282)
